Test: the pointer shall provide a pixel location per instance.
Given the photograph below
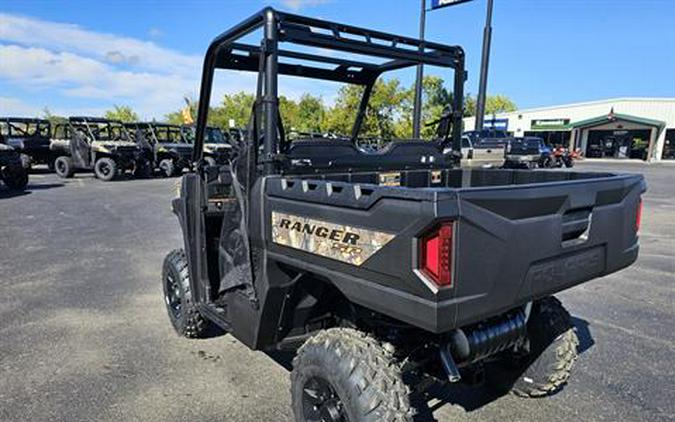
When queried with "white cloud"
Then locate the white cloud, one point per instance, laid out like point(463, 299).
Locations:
point(301, 4)
point(54, 63)
point(67, 37)
point(13, 106)
point(155, 32)
point(10, 106)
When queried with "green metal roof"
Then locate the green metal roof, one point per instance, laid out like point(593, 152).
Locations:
point(612, 117)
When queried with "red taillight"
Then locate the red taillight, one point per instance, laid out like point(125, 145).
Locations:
point(638, 216)
point(436, 255)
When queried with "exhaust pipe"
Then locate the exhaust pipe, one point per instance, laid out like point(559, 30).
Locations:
point(483, 340)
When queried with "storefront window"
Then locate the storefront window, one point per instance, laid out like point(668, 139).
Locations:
point(552, 137)
point(669, 145)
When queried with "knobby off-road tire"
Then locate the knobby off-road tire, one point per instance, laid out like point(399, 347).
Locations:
point(183, 314)
point(15, 177)
point(553, 351)
point(63, 166)
point(342, 374)
point(105, 169)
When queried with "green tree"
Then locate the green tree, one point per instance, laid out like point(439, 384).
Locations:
point(382, 113)
point(311, 113)
point(233, 106)
point(123, 113)
point(435, 97)
point(494, 104)
point(499, 104)
point(288, 109)
point(53, 118)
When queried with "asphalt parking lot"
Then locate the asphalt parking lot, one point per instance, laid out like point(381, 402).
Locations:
point(84, 334)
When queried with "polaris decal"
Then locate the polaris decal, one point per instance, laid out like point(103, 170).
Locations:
point(344, 243)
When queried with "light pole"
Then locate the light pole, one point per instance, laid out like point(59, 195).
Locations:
point(417, 106)
point(485, 61)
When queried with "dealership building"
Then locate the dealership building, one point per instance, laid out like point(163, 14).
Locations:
point(637, 128)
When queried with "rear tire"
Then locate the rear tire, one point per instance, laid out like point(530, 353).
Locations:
point(105, 169)
point(183, 314)
point(63, 166)
point(342, 374)
point(553, 351)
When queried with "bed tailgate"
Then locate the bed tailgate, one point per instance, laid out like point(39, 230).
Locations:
point(521, 242)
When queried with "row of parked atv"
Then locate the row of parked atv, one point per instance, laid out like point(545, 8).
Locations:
point(108, 148)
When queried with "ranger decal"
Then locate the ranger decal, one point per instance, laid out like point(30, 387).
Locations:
point(344, 243)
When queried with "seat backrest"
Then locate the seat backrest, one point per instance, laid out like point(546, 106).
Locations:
point(342, 154)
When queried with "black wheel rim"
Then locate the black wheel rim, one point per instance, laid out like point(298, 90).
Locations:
point(61, 166)
point(104, 168)
point(321, 403)
point(172, 295)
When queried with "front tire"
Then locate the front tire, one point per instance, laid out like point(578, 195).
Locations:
point(553, 351)
point(342, 374)
point(15, 177)
point(105, 169)
point(183, 314)
point(63, 166)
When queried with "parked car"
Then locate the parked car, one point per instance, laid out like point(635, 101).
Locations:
point(528, 152)
point(482, 154)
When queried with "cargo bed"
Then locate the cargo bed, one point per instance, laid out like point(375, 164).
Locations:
point(519, 235)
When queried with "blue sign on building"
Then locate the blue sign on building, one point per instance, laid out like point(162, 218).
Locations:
point(496, 124)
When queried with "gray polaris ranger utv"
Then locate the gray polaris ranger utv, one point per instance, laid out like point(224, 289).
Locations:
point(94, 144)
point(217, 144)
point(383, 270)
point(30, 138)
point(164, 146)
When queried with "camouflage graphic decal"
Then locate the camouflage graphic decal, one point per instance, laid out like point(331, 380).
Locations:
point(348, 244)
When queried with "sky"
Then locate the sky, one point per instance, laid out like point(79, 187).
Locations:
point(83, 57)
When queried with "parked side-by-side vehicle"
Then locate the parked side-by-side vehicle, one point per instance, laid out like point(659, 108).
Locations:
point(94, 144)
point(164, 146)
point(30, 138)
point(382, 269)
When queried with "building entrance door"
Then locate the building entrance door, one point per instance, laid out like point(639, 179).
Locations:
point(618, 144)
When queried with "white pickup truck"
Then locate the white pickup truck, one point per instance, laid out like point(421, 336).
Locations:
point(481, 154)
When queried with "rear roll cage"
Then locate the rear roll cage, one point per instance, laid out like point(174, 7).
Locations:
point(399, 52)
